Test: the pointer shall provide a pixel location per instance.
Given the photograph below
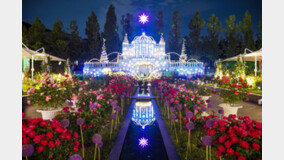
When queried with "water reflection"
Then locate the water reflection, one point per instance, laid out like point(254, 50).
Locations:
point(143, 92)
point(143, 114)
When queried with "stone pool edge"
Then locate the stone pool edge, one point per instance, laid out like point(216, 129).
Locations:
point(119, 141)
point(169, 145)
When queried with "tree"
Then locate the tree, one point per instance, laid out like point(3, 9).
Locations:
point(127, 25)
point(232, 37)
point(258, 42)
point(173, 44)
point(74, 45)
point(92, 31)
point(247, 31)
point(214, 28)
point(25, 33)
point(159, 26)
point(58, 40)
point(110, 32)
point(195, 26)
point(36, 34)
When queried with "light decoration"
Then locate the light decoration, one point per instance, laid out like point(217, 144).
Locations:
point(143, 18)
point(143, 142)
point(143, 114)
point(143, 58)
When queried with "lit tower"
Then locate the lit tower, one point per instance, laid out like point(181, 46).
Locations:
point(183, 56)
point(104, 54)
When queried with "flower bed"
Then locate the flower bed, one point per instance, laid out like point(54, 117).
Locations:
point(205, 137)
point(90, 127)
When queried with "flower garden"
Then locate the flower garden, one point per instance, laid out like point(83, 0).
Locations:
point(82, 117)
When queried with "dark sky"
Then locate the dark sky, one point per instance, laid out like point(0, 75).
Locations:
point(66, 10)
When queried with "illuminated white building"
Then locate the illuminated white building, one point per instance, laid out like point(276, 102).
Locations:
point(144, 58)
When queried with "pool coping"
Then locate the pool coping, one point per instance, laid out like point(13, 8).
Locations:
point(168, 143)
point(119, 141)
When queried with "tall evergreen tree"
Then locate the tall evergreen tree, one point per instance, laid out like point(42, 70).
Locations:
point(58, 40)
point(159, 26)
point(110, 32)
point(173, 43)
point(195, 26)
point(92, 31)
point(232, 37)
point(258, 42)
point(37, 34)
point(25, 34)
point(74, 45)
point(127, 25)
point(214, 28)
point(247, 32)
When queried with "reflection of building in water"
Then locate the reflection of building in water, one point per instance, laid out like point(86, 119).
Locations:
point(143, 114)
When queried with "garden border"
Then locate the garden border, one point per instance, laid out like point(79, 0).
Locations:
point(119, 141)
point(169, 145)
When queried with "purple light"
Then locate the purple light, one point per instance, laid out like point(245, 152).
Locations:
point(143, 18)
point(143, 142)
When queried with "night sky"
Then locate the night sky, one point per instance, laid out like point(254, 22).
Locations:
point(66, 10)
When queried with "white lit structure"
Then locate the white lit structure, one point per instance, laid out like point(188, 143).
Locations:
point(143, 114)
point(144, 58)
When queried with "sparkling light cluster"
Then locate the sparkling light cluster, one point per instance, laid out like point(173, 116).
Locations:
point(143, 18)
point(143, 142)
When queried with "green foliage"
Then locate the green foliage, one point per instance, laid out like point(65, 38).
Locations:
point(247, 31)
point(110, 31)
point(195, 26)
point(173, 44)
point(92, 31)
point(159, 26)
point(36, 34)
point(127, 25)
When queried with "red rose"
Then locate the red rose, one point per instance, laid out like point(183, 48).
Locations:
point(40, 149)
point(84, 126)
point(242, 158)
point(227, 144)
point(51, 144)
point(248, 93)
point(57, 142)
point(223, 129)
point(75, 149)
point(58, 130)
point(258, 125)
point(230, 151)
point(37, 139)
point(237, 153)
point(234, 140)
point(244, 144)
point(26, 140)
point(222, 139)
point(212, 92)
point(236, 93)
point(221, 149)
point(49, 135)
point(256, 146)
point(68, 136)
point(212, 132)
point(76, 135)
point(43, 123)
point(44, 142)
point(218, 153)
point(23, 115)
point(77, 143)
point(32, 134)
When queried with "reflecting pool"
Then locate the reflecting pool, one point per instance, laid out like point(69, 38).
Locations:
point(143, 138)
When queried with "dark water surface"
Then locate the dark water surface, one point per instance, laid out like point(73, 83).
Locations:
point(143, 139)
